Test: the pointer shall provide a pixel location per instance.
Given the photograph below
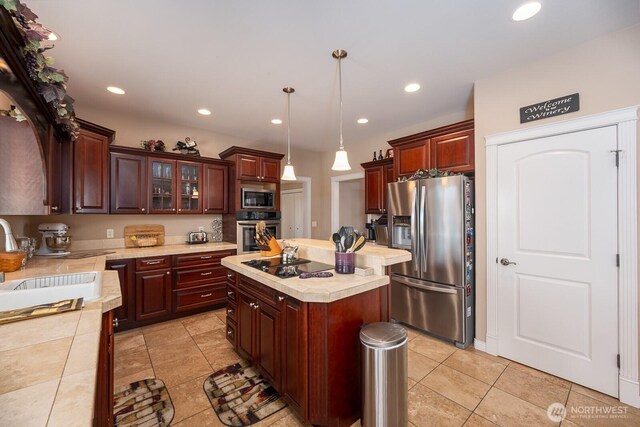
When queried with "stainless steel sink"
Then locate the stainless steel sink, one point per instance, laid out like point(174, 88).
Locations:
point(33, 291)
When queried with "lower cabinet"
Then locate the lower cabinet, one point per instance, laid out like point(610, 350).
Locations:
point(124, 316)
point(103, 408)
point(294, 343)
point(153, 294)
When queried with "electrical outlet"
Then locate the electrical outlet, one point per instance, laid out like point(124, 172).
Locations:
point(109, 233)
point(314, 223)
point(201, 228)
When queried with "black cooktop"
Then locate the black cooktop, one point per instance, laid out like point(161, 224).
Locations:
point(276, 267)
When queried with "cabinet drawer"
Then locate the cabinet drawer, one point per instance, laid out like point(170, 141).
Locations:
point(266, 294)
point(232, 311)
point(201, 276)
point(201, 258)
point(199, 296)
point(232, 294)
point(153, 263)
point(231, 332)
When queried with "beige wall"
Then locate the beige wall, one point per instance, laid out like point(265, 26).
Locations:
point(352, 204)
point(604, 71)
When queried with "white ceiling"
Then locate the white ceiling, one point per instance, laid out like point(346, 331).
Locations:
point(235, 56)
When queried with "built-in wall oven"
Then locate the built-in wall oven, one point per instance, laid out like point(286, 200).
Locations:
point(246, 228)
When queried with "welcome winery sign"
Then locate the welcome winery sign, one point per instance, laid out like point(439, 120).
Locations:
point(553, 107)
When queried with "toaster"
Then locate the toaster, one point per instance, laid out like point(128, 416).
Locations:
point(197, 237)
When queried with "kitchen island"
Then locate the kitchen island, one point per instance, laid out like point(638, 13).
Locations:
point(303, 334)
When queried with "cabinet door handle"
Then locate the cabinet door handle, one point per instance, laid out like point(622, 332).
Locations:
point(206, 257)
point(252, 305)
point(179, 210)
point(229, 332)
point(143, 209)
point(281, 298)
point(208, 273)
point(152, 262)
point(115, 322)
point(256, 306)
point(206, 295)
point(229, 276)
point(168, 272)
point(230, 293)
point(173, 210)
point(55, 208)
point(230, 311)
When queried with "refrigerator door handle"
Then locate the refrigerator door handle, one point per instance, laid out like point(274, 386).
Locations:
point(415, 242)
point(418, 285)
point(424, 232)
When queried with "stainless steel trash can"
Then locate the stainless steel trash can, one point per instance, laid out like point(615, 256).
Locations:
point(384, 375)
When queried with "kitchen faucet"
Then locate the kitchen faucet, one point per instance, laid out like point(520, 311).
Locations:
point(9, 242)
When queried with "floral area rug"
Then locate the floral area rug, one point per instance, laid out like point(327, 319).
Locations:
point(144, 403)
point(240, 396)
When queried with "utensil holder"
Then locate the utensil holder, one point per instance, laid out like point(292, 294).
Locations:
point(345, 262)
point(273, 249)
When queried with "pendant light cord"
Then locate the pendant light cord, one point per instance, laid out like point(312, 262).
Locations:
point(340, 85)
point(288, 128)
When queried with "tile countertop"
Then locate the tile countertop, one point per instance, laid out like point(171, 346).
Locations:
point(330, 289)
point(48, 365)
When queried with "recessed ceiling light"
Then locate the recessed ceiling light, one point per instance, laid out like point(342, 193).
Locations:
point(363, 121)
point(526, 11)
point(412, 87)
point(53, 37)
point(116, 90)
point(276, 121)
point(204, 112)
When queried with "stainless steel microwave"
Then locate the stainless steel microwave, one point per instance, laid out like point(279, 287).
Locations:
point(251, 198)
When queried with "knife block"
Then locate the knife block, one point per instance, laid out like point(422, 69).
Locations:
point(273, 248)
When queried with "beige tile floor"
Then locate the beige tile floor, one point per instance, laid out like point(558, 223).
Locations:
point(447, 386)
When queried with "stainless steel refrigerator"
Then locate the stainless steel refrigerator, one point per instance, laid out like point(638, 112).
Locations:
point(433, 218)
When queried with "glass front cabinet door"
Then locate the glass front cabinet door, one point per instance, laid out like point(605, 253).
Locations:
point(163, 186)
point(189, 185)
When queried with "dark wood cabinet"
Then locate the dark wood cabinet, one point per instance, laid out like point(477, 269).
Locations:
point(91, 168)
point(103, 413)
point(246, 326)
point(199, 280)
point(257, 168)
point(270, 169)
point(376, 176)
point(128, 184)
point(124, 316)
point(215, 182)
point(142, 182)
point(446, 148)
point(189, 178)
point(453, 152)
point(162, 186)
point(153, 294)
point(294, 342)
point(59, 177)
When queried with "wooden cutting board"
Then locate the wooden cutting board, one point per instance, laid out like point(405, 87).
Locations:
point(141, 232)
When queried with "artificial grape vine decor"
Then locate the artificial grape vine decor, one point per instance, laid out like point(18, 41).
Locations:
point(50, 82)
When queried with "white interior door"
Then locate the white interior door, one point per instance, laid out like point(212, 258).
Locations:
point(292, 208)
point(557, 302)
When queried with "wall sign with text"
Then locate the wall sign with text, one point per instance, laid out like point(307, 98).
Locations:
point(551, 108)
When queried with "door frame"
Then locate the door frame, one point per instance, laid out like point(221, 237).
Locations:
point(626, 121)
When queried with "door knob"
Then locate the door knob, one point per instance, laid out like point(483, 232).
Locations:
point(505, 261)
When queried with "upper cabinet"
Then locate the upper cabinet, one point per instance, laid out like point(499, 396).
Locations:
point(445, 148)
point(91, 168)
point(377, 175)
point(254, 165)
point(158, 183)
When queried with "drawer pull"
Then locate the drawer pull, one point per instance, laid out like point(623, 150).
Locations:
point(230, 293)
point(229, 332)
point(281, 298)
point(115, 322)
point(229, 276)
point(230, 311)
point(206, 295)
point(252, 305)
point(206, 257)
point(208, 273)
point(256, 306)
point(152, 262)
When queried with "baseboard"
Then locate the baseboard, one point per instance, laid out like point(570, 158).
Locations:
point(630, 392)
point(480, 345)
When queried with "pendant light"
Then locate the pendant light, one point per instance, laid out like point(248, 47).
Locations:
point(341, 163)
point(288, 174)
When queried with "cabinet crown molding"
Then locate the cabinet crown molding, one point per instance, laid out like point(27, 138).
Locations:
point(455, 127)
